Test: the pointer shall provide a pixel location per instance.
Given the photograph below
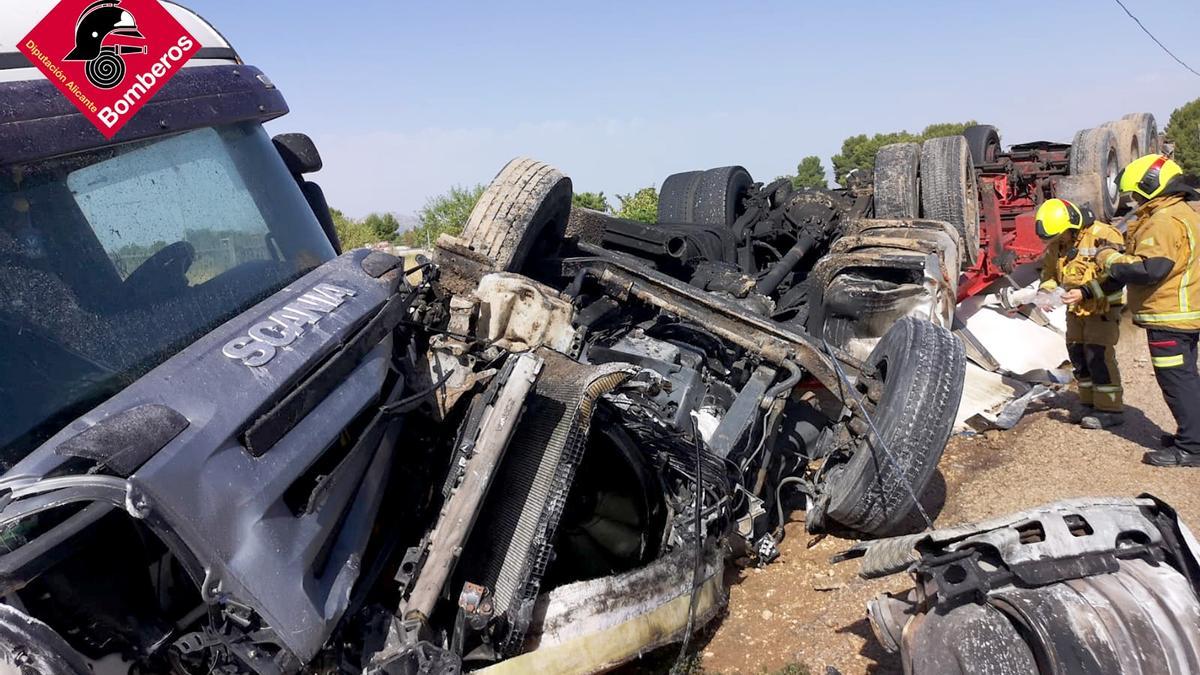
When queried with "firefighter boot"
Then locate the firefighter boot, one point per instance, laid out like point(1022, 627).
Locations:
point(1100, 419)
point(1171, 456)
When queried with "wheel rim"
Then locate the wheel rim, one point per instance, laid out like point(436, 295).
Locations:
point(1110, 178)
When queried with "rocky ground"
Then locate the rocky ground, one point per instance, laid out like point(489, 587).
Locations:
point(802, 614)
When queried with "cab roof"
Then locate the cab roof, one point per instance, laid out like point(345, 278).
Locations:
point(20, 16)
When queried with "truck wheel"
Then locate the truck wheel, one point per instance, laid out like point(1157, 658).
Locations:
point(1095, 151)
point(711, 197)
point(1148, 127)
point(30, 647)
point(983, 140)
point(921, 369)
point(676, 197)
point(1129, 140)
point(525, 208)
point(1081, 189)
point(897, 189)
point(948, 190)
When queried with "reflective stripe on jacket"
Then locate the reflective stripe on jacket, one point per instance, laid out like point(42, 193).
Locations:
point(1159, 265)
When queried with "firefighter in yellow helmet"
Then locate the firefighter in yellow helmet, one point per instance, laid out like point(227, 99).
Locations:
point(1159, 267)
point(1073, 237)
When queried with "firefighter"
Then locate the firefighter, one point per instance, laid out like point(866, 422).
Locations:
point(1159, 267)
point(1073, 236)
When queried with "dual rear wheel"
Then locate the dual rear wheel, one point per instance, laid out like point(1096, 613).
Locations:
point(934, 180)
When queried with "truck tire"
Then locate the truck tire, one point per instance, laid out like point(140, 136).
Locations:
point(1095, 151)
point(676, 197)
point(28, 646)
point(712, 197)
point(897, 188)
point(1149, 132)
point(526, 206)
point(1080, 189)
point(922, 369)
point(1129, 140)
point(949, 192)
point(983, 140)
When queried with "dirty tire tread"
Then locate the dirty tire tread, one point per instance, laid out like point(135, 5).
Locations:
point(1080, 189)
point(675, 199)
point(524, 199)
point(897, 188)
point(1129, 140)
point(916, 418)
point(517, 206)
point(718, 194)
point(707, 197)
point(1148, 130)
point(949, 192)
point(1090, 153)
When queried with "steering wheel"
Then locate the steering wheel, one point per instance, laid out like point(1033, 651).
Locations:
point(164, 274)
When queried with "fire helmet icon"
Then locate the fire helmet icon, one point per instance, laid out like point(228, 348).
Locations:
point(99, 22)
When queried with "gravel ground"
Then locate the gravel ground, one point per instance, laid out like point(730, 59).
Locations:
point(801, 614)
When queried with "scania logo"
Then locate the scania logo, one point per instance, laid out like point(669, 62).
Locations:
point(284, 326)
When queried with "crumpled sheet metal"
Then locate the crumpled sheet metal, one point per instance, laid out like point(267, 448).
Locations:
point(1045, 607)
point(1111, 515)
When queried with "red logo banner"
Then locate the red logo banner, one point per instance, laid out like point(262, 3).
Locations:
point(109, 57)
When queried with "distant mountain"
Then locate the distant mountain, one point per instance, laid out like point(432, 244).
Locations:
point(407, 221)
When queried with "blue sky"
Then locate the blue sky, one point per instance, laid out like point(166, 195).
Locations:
point(405, 99)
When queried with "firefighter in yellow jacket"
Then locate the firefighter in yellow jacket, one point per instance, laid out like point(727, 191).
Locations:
point(1159, 268)
point(1093, 324)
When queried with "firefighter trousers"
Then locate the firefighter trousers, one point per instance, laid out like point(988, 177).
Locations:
point(1091, 344)
point(1173, 355)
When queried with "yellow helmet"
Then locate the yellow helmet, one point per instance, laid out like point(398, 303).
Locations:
point(1056, 216)
point(1148, 176)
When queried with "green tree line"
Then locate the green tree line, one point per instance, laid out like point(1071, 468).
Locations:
point(1183, 132)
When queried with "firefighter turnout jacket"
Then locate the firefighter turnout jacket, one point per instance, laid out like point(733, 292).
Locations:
point(1159, 265)
point(1070, 262)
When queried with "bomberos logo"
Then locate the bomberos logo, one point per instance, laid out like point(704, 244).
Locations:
point(109, 57)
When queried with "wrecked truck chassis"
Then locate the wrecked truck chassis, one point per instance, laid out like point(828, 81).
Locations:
point(786, 349)
point(279, 500)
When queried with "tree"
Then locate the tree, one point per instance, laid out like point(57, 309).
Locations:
point(352, 233)
point(592, 200)
point(858, 152)
point(946, 129)
point(810, 174)
point(444, 214)
point(384, 225)
point(641, 205)
point(1183, 131)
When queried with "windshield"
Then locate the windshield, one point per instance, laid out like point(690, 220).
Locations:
point(113, 260)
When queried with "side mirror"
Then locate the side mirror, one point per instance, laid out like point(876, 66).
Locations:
point(299, 153)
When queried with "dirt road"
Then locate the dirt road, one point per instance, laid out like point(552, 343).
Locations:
point(802, 614)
